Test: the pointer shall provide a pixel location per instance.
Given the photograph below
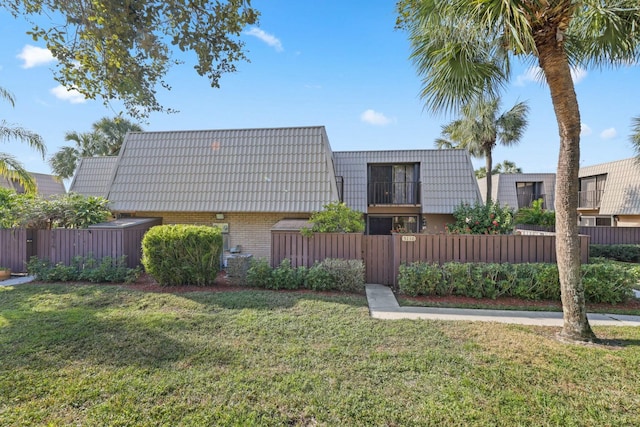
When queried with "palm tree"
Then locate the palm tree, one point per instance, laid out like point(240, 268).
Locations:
point(105, 140)
point(505, 167)
point(10, 167)
point(462, 50)
point(113, 132)
point(480, 128)
point(635, 135)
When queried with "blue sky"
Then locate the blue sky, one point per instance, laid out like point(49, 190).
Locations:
point(335, 63)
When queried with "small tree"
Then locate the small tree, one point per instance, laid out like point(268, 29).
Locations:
point(336, 217)
point(535, 215)
point(64, 211)
point(482, 219)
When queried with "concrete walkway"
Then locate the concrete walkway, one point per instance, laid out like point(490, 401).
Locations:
point(16, 280)
point(383, 305)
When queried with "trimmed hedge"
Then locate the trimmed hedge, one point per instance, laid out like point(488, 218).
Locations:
point(182, 254)
point(624, 253)
point(328, 275)
point(603, 282)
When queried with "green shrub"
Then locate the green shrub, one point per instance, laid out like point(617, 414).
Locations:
point(624, 253)
point(607, 283)
point(286, 277)
point(481, 219)
point(182, 254)
point(347, 274)
point(319, 279)
point(336, 274)
point(535, 215)
point(335, 218)
point(603, 282)
point(84, 269)
point(420, 278)
point(259, 274)
point(69, 210)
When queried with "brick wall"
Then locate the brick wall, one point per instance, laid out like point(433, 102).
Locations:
point(250, 230)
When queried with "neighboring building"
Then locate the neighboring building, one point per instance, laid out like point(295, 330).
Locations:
point(610, 194)
point(519, 190)
point(248, 180)
point(93, 176)
point(46, 185)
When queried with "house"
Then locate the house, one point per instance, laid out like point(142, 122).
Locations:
point(610, 194)
point(46, 185)
point(520, 190)
point(247, 181)
point(409, 190)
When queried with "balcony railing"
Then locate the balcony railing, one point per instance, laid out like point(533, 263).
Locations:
point(589, 199)
point(394, 193)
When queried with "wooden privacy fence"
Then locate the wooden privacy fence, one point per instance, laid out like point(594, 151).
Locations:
point(115, 239)
point(383, 255)
point(599, 235)
point(16, 247)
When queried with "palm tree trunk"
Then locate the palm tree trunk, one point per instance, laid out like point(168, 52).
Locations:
point(555, 65)
point(489, 165)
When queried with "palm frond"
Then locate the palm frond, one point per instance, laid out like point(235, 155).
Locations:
point(12, 169)
point(35, 141)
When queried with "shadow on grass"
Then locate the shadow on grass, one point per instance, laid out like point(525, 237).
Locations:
point(51, 325)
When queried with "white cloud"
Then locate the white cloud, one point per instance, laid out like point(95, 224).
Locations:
point(269, 39)
point(531, 74)
point(375, 118)
point(34, 56)
point(609, 133)
point(535, 74)
point(578, 74)
point(71, 95)
point(585, 130)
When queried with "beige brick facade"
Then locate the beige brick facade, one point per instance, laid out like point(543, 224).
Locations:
point(252, 231)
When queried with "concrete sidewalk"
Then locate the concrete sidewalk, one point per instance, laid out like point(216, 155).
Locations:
point(383, 305)
point(16, 280)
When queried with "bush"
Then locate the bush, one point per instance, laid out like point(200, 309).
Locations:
point(259, 274)
point(182, 254)
point(535, 215)
point(335, 218)
point(70, 210)
point(287, 277)
point(481, 219)
point(624, 253)
point(607, 283)
point(346, 275)
point(84, 269)
point(421, 278)
point(603, 282)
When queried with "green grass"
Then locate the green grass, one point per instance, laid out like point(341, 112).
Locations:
point(106, 355)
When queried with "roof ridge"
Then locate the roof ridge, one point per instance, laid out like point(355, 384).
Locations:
point(229, 129)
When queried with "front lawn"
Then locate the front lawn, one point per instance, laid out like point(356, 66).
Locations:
point(109, 355)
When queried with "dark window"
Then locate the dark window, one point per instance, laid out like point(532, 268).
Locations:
point(380, 225)
point(591, 190)
point(393, 184)
point(528, 192)
point(383, 225)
